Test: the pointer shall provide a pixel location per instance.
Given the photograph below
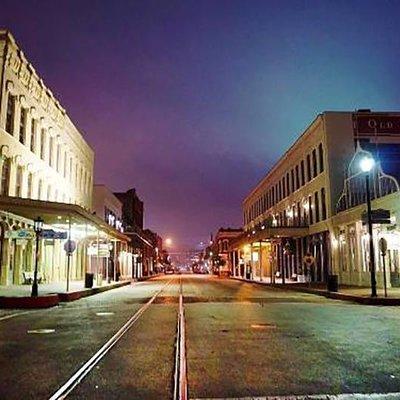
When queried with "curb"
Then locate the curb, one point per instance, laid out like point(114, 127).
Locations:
point(28, 302)
point(368, 301)
point(51, 300)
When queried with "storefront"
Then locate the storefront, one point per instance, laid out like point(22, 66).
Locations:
point(98, 247)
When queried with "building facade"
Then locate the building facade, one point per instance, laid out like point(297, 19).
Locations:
point(296, 208)
point(46, 170)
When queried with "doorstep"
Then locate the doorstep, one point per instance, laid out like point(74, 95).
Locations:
point(371, 301)
point(53, 299)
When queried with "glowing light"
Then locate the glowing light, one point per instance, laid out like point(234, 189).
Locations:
point(366, 164)
point(168, 241)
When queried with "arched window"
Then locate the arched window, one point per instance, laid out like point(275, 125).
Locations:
point(18, 183)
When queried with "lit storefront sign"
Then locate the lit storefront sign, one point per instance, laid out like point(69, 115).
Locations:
point(102, 250)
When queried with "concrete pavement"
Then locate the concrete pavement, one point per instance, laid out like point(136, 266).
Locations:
point(243, 340)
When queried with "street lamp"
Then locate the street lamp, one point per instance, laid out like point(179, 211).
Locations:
point(37, 227)
point(366, 165)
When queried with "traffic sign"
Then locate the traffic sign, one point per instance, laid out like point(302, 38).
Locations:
point(70, 246)
point(383, 245)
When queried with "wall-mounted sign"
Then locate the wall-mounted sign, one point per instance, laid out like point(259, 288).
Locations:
point(19, 234)
point(103, 250)
point(51, 234)
point(372, 124)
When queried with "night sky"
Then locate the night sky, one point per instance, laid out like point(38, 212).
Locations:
point(192, 101)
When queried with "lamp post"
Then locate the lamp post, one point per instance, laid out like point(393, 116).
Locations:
point(37, 227)
point(366, 165)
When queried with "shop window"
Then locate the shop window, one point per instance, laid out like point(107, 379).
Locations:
point(5, 178)
point(10, 114)
point(342, 250)
point(321, 158)
point(314, 163)
point(22, 125)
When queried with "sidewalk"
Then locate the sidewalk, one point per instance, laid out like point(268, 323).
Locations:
point(361, 295)
point(50, 294)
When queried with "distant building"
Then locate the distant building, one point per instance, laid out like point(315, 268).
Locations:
point(220, 247)
point(132, 209)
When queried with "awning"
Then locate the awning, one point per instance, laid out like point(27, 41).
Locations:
point(56, 213)
point(270, 233)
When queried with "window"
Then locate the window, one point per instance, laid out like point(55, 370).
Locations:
point(5, 178)
point(316, 204)
point(70, 169)
point(22, 125)
point(58, 155)
point(65, 165)
point(18, 183)
point(287, 184)
point(51, 145)
point(323, 203)
point(10, 114)
point(48, 193)
point(29, 186)
point(40, 189)
point(308, 168)
point(321, 158)
point(303, 177)
point(33, 135)
point(292, 179)
point(42, 143)
point(314, 161)
point(310, 211)
point(297, 177)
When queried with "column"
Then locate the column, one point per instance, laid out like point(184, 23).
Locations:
point(260, 260)
point(251, 262)
point(5, 260)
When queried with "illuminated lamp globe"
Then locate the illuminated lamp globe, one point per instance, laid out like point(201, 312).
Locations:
point(366, 164)
point(168, 241)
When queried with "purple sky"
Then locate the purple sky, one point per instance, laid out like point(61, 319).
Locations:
point(192, 101)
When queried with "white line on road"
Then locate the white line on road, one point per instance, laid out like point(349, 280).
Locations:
point(343, 396)
point(13, 315)
point(70, 385)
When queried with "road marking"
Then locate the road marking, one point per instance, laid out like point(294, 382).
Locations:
point(41, 331)
point(180, 376)
point(104, 313)
point(75, 379)
point(343, 396)
point(13, 315)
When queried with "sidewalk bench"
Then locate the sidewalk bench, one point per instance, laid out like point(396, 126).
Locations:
point(28, 277)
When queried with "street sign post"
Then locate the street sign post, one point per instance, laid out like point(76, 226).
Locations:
point(69, 247)
point(383, 249)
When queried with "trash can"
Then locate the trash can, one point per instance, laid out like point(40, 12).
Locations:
point(333, 283)
point(89, 280)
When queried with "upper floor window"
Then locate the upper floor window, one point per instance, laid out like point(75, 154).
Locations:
point(297, 177)
point(303, 177)
point(42, 143)
point(58, 155)
point(30, 184)
point(314, 161)
point(287, 184)
point(51, 146)
point(316, 204)
point(323, 204)
point(10, 114)
point(18, 183)
point(308, 168)
point(5, 178)
point(33, 135)
point(321, 158)
point(292, 180)
point(22, 125)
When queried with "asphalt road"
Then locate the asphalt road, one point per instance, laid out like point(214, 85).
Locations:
point(242, 340)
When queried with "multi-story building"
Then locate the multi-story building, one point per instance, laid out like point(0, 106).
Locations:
point(304, 204)
point(46, 170)
point(220, 247)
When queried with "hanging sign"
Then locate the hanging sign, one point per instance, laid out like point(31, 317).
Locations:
point(19, 234)
point(52, 234)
